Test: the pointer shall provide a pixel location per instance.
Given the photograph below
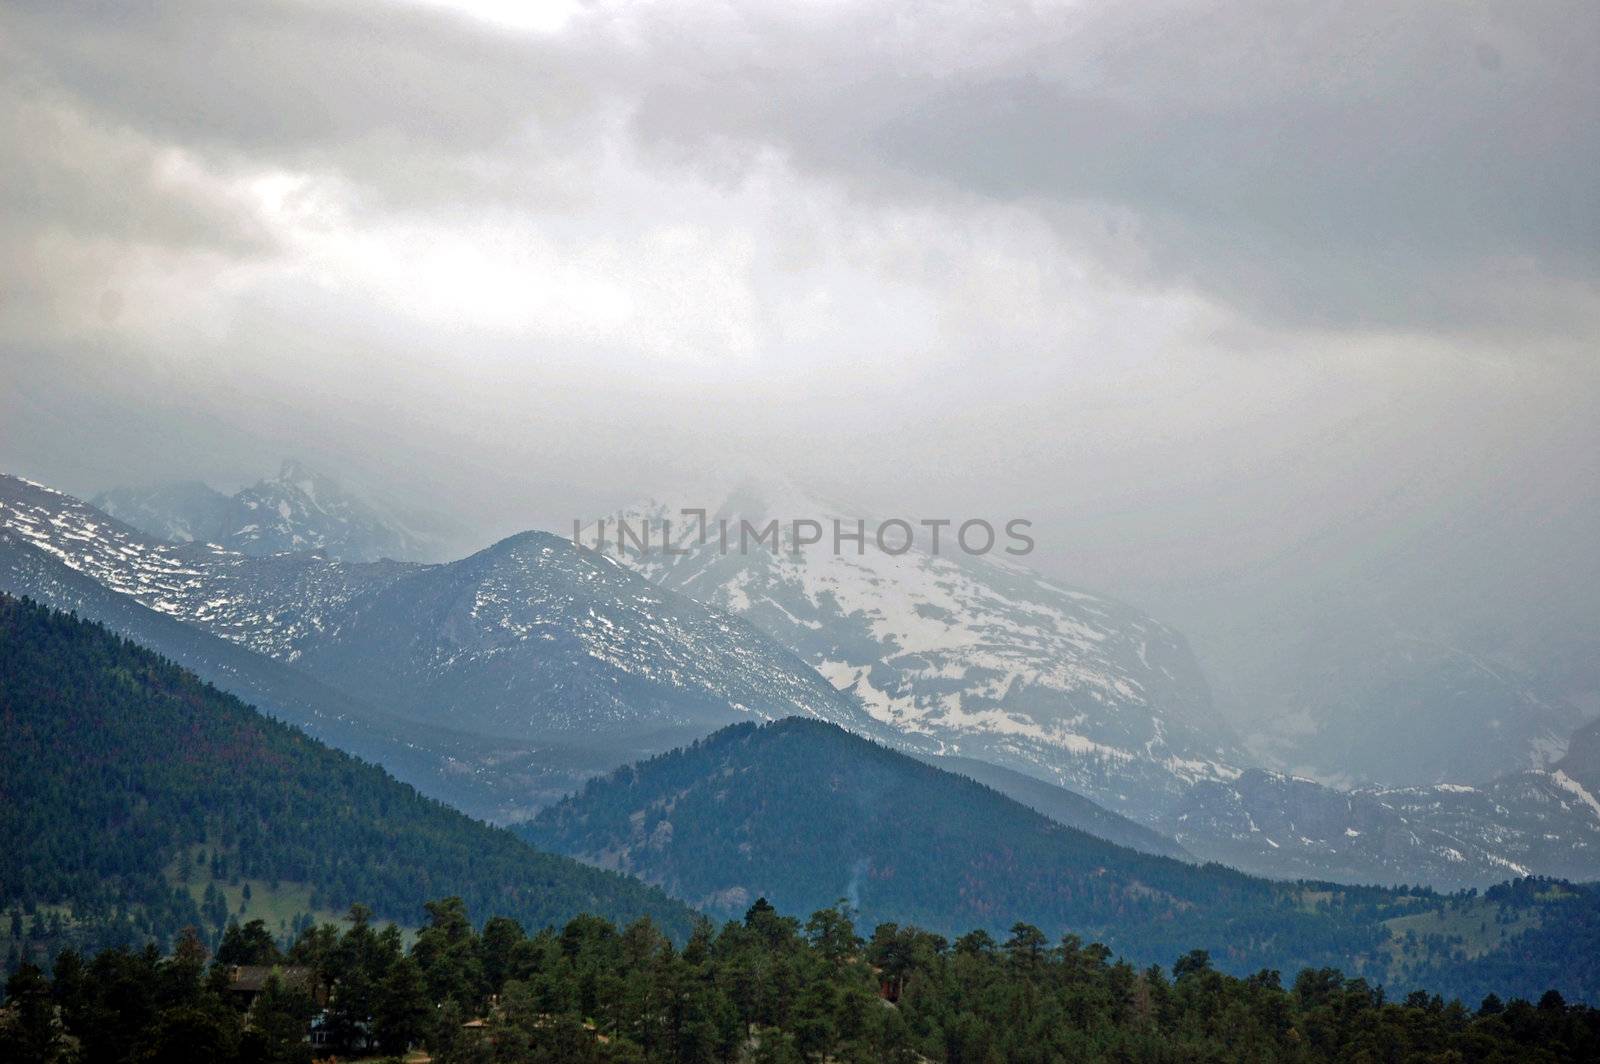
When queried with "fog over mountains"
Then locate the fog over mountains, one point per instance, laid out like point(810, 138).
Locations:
point(298, 510)
point(1400, 709)
point(1279, 326)
point(533, 662)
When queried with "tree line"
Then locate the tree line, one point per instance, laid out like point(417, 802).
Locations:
point(765, 989)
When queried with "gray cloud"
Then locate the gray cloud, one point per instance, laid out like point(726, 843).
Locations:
point(1251, 306)
point(281, 78)
point(1423, 164)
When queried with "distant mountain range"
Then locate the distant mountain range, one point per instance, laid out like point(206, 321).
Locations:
point(134, 799)
point(981, 656)
point(299, 510)
point(528, 638)
point(996, 664)
point(1448, 835)
point(494, 778)
point(500, 681)
point(804, 813)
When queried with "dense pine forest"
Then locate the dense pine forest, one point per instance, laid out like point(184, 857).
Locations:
point(762, 989)
point(136, 800)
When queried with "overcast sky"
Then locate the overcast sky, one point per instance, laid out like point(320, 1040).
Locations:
point(1248, 305)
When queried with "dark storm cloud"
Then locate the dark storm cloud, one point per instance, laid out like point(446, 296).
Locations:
point(1414, 164)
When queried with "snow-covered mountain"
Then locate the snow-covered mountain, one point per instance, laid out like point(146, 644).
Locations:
point(487, 777)
point(534, 637)
point(993, 662)
point(183, 511)
point(530, 637)
point(978, 655)
point(533, 663)
point(1448, 835)
point(299, 510)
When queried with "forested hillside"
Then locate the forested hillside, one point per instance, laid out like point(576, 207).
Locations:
point(135, 800)
point(804, 814)
point(1062, 806)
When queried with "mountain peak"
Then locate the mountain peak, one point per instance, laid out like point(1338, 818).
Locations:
point(316, 486)
point(291, 469)
point(987, 658)
point(300, 509)
point(533, 543)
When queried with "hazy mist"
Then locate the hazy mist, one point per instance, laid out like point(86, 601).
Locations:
point(1278, 321)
